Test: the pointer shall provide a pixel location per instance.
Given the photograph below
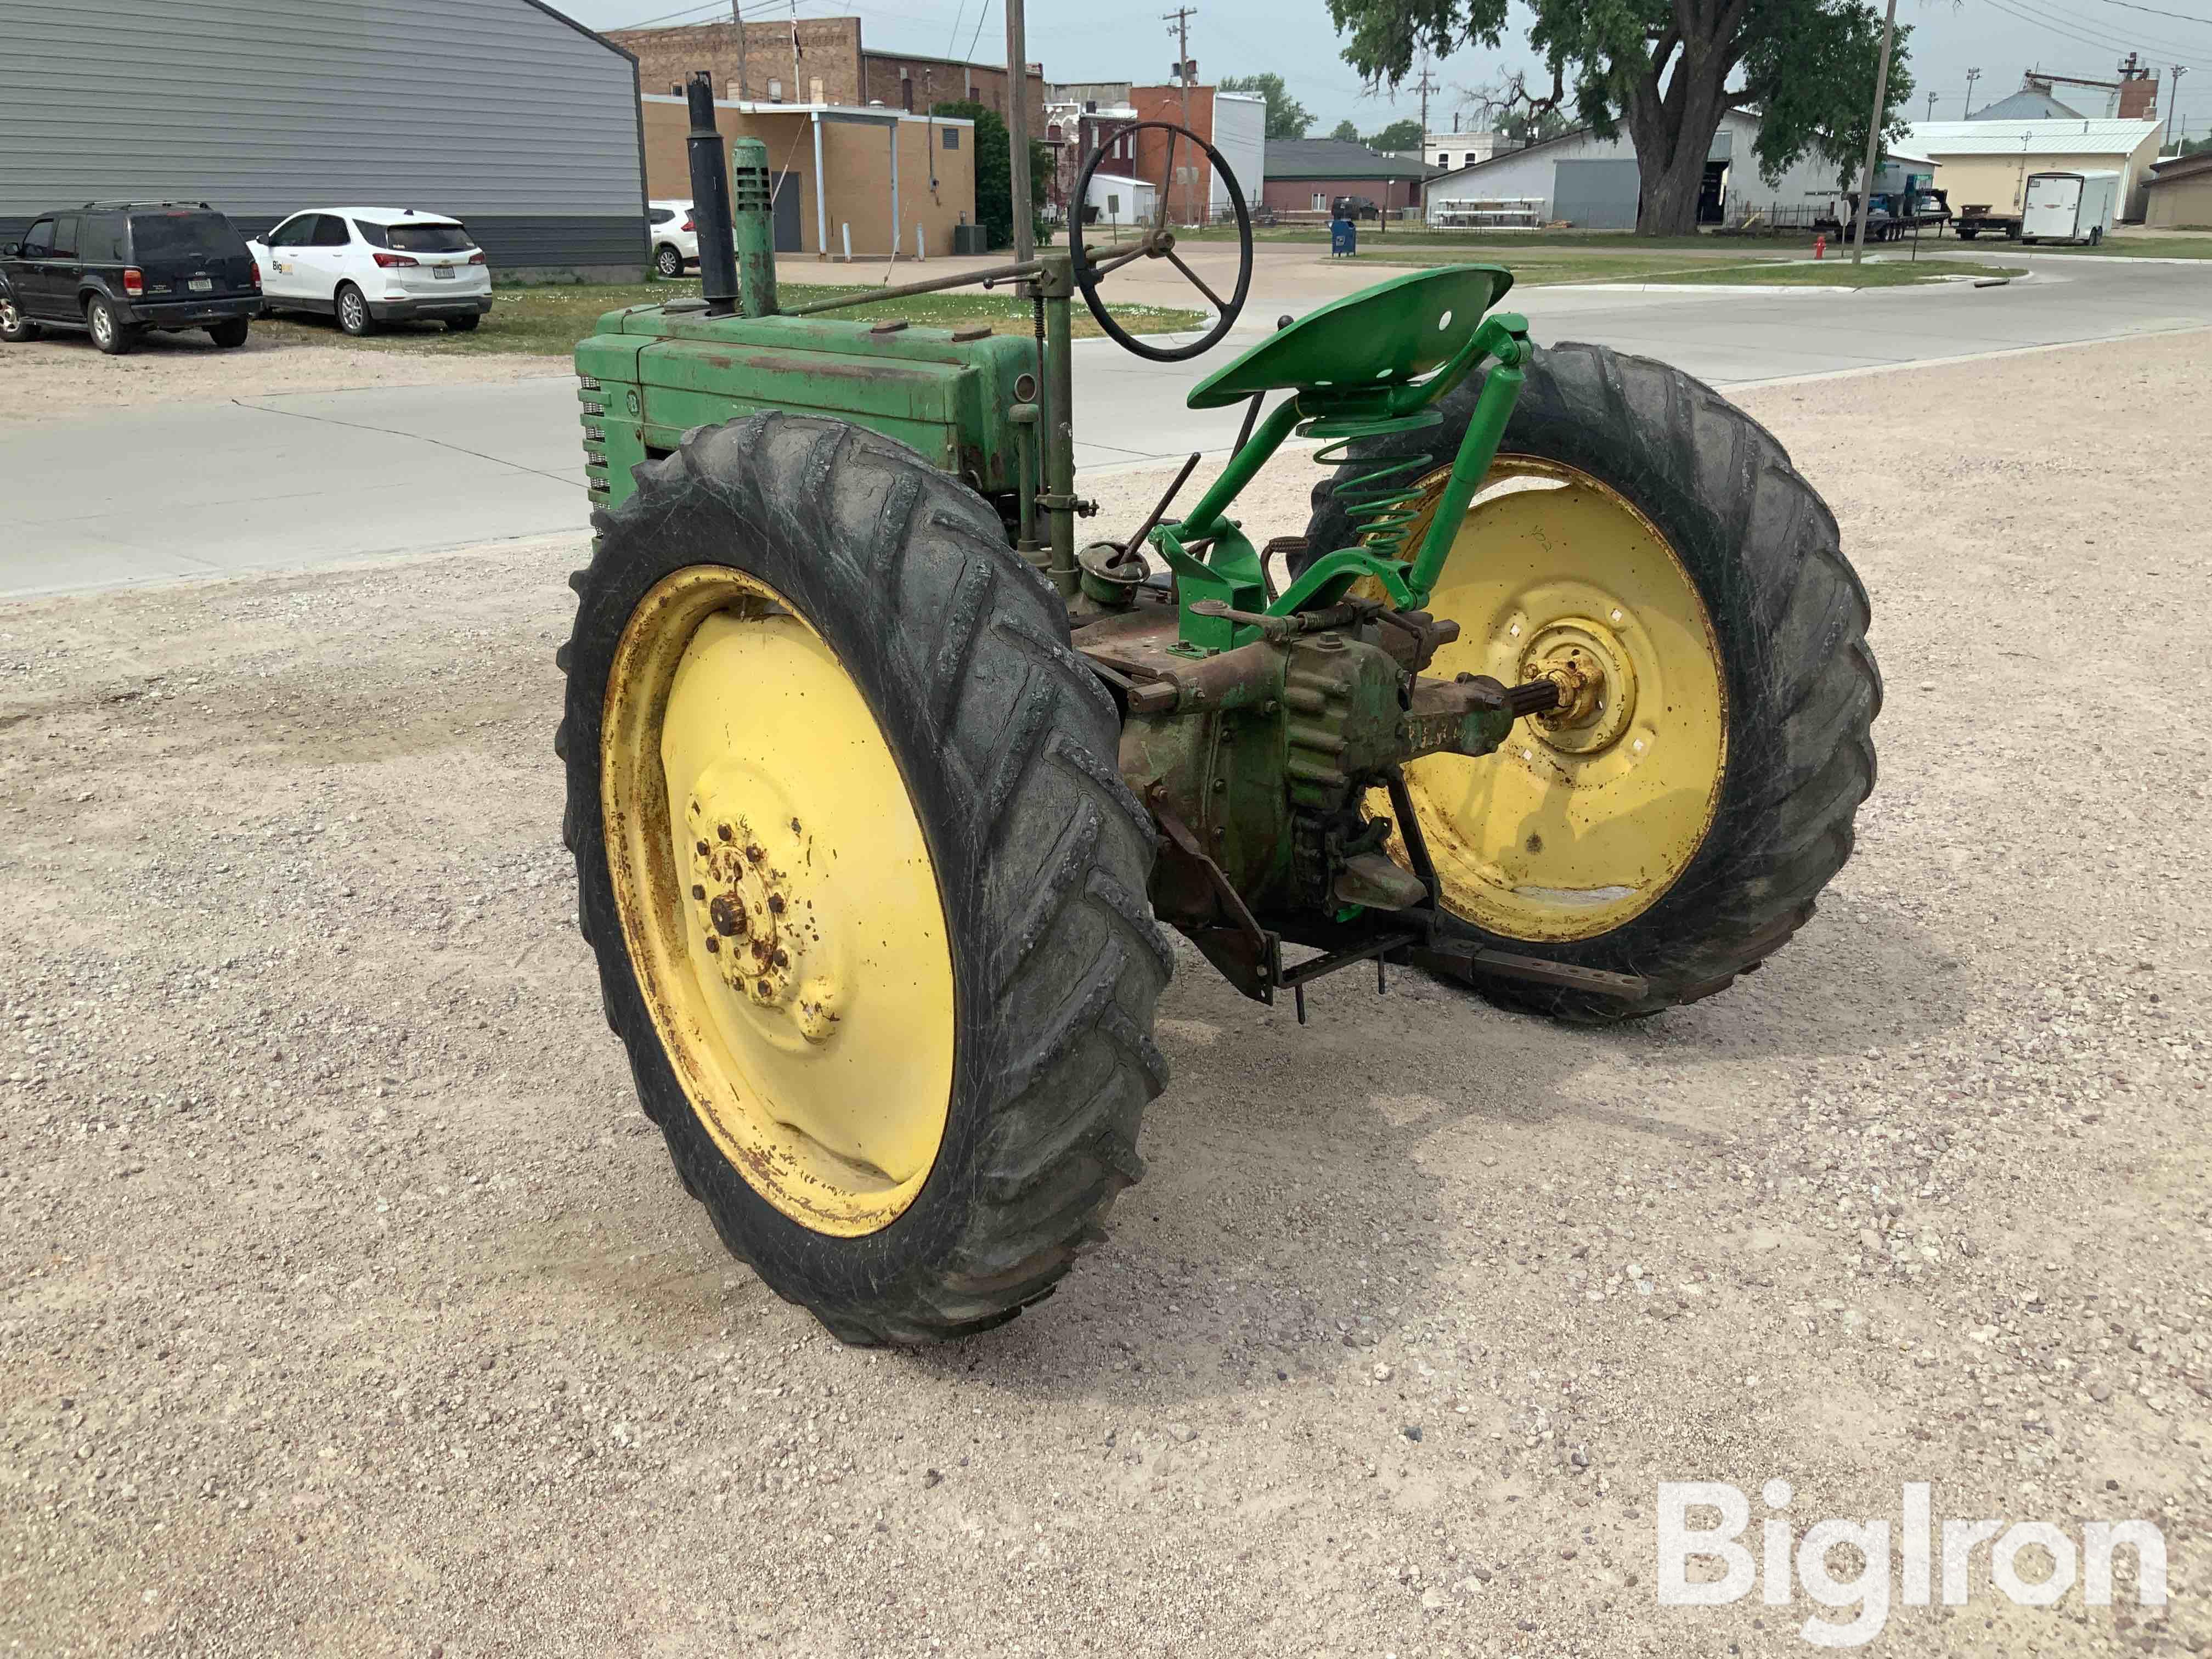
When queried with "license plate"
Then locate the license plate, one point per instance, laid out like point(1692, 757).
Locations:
point(201, 284)
point(443, 273)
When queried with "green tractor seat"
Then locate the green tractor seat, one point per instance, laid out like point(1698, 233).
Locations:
point(1383, 335)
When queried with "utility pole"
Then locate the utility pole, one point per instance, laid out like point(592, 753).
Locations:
point(1931, 106)
point(1972, 76)
point(1018, 130)
point(738, 16)
point(1874, 131)
point(1427, 84)
point(2174, 96)
point(1179, 20)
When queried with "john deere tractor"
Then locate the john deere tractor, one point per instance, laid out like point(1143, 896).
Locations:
point(886, 789)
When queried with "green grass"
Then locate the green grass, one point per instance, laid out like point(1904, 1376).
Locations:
point(547, 321)
point(1538, 267)
point(2124, 245)
point(1587, 241)
point(1832, 272)
point(1534, 265)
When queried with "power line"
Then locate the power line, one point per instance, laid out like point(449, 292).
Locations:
point(2146, 45)
point(2055, 26)
point(982, 15)
point(2182, 16)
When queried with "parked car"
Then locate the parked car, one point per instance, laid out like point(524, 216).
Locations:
point(1354, 208)
point(674, 235)
point(367, 265)
point(115, 269)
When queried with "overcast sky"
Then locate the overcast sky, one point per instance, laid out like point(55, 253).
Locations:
point(1090, 41)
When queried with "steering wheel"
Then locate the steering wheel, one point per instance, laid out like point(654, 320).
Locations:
point(1158, 242)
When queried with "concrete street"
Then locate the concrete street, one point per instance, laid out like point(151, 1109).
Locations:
point(310, 479)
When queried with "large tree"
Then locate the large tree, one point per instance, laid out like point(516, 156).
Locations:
point(995, 173)
point(1668, 71)
point(1345, 133)
point(1287, 116)
point(1399, 134)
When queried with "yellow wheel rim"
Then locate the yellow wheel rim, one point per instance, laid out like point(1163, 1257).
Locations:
point(1584, 818)
point(778, 899)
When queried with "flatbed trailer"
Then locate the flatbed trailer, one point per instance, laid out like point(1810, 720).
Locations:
point(1978, 218)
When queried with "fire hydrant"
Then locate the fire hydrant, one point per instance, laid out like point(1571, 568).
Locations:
point(1820, 246)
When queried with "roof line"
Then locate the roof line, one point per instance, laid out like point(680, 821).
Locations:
point(589, 34)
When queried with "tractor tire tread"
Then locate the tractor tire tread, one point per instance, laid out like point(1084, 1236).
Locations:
point(1798, 772)
point(1040, 850)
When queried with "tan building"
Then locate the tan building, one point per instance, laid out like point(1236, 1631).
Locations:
point(1988, 163)
point(2180, 194)
point(842, 173)
point(831, 66)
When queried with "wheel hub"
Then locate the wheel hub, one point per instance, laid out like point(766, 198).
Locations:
point(755, 905)
point(1596, 679)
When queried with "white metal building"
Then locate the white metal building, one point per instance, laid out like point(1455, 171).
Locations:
point(1595, 183)
point(1240, 133)
point(501, 112)
point(1121, 200)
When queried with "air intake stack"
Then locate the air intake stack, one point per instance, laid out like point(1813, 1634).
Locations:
point(756, 226)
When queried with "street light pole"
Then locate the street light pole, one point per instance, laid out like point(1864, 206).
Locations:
point(1873, 130)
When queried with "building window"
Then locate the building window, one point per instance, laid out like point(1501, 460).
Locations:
point(952, 137)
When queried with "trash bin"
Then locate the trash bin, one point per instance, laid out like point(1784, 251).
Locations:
point(1343, 237)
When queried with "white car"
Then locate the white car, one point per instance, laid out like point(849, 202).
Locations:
point(674, 235)
point(367, 265)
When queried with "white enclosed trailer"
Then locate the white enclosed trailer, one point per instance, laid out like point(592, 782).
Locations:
point(2069, 207)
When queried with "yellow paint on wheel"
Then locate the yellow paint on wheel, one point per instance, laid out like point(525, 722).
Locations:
point(1585, 816)
point(778, 899)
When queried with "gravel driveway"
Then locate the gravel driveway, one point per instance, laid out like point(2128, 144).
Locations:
point(351, 1308)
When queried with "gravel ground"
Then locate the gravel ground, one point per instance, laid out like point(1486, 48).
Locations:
point(65, 373)
point(351, 1307)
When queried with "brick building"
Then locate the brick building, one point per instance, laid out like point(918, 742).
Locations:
point(1234, 122)
point(828, 59)
point(1305, 175)
point(832, 67)
point(899, 81)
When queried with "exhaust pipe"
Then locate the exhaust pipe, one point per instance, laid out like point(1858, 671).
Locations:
point(710, 200)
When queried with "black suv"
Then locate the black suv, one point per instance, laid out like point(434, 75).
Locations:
point(116, 269)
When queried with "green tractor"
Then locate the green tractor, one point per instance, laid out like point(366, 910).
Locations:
point(883, 789)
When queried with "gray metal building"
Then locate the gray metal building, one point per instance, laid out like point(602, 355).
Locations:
point(500, 112)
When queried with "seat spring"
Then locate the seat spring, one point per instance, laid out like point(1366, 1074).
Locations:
point(1380, 497)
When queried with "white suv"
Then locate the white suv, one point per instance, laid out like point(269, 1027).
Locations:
point(369, 265)
point(674, 235)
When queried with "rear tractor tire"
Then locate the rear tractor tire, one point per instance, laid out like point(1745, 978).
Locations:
point(1678, 824)
point(866, 889)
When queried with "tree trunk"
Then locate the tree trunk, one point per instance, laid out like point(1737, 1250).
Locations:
point(1669, 205)
point(1672, 133)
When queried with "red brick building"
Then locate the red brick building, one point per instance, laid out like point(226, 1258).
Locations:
point(1306, 175)
point(832, 66)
